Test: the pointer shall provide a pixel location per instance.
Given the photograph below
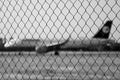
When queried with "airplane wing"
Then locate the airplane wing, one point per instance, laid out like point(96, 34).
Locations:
point(44, 49)
point(60, 44)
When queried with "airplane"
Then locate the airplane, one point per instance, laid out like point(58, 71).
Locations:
point(99, 42)
point(35, 44)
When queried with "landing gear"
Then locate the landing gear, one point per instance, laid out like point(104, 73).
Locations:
point(20, 53)
point(56, 53)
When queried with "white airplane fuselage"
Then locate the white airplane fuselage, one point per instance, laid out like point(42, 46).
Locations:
point(21, 45)
point(26, 43)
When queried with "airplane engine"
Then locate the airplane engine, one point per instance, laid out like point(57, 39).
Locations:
point(109, 45)
point(41, 49)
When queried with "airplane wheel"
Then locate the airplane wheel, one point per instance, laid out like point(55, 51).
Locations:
point(20, 53)
point(56, 53)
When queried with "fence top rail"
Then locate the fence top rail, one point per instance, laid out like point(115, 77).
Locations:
point(33, 53)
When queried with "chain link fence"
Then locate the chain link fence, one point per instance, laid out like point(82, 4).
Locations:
point(56, 20)
point(77, 66)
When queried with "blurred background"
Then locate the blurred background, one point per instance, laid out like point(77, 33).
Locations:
point(57, 19)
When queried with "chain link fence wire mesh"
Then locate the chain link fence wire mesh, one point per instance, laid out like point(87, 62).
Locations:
point(81, 66)
point(56, 20)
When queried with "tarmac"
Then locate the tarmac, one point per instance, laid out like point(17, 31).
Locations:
point(68, 65)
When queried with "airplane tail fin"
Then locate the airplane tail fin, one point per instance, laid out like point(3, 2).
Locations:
point(104, 31)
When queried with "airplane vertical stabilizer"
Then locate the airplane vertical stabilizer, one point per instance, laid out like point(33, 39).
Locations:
point(104, 32)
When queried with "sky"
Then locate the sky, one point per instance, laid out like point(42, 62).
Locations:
point(57, 19)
